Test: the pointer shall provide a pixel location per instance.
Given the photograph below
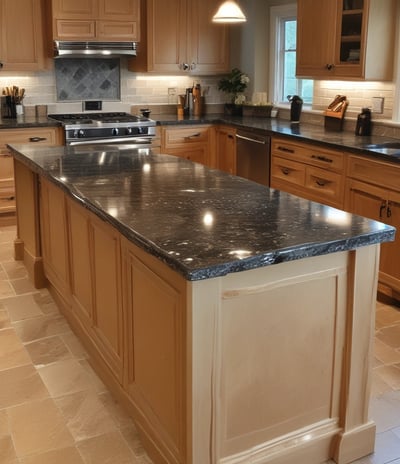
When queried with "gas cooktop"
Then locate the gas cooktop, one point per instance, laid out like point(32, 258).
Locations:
point(87, 118)
point(104, 125)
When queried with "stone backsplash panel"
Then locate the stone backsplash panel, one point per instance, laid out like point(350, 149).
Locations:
point(87, 79)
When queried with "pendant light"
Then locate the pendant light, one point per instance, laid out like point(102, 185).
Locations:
point(229, 12)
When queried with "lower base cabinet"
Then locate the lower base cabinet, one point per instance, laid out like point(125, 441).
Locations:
point(95, 286)
point(193, 143)
point(81, 258)
point(372, 191)
point(155, 307)
point(226, 149)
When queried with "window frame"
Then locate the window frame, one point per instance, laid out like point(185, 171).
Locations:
point(278, 14)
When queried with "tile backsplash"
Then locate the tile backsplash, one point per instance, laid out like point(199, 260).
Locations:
point(65, 93)
point(87, 79)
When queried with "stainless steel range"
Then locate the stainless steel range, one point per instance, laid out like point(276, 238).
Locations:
point(107, 128)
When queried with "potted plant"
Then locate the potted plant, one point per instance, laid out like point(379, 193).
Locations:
point(234, 85)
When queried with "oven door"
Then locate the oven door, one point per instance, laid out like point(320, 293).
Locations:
point(128, 142)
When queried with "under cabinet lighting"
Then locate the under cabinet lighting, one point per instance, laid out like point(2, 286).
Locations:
point(229, 12)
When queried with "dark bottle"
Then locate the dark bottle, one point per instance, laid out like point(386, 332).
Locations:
point(363, 126)
point(296, 104)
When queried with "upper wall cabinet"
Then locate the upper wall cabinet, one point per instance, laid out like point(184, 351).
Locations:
point(179, 37)
point(345, 39)
point(21, 35)
point(91, 20)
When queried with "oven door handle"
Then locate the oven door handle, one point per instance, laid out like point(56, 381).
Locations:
point(113, 141)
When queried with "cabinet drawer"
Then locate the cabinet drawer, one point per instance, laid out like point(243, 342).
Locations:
point(287, 171)
point(374, 172)
point(310, 154)
point(45, 136)
point(325, 186)
point(177, 137)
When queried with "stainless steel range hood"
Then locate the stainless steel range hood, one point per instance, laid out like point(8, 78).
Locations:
point(64, 49)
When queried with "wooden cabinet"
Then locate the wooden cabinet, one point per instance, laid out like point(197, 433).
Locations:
point(345, 39)
point(226, 149)
point(45, 136)
point(95, 283)
point(179, 37)
point(156, 344)
point(53, 229)
point(308, 171)
point(92, 20)
point(21, 35)
point(191, 142)
point(372, 190)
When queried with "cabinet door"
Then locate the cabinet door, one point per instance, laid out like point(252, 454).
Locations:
point(166, 35)
point(155, 300)
point(7, 189)
point(381, 205)
point(74, 9)
point(53, 227)
point(107, 302)
point(316, 34)
point(349, 39)
point(119, 10)
point(118, 20)
point(208, 50)
point(226, 149)
point(96, 283)
point(21, 35)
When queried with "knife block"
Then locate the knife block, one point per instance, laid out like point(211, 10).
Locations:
point(334, 119)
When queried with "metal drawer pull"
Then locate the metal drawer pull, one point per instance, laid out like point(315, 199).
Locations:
point(388, 211)
point(192, 136)
point(322, 158)
point(8, 198)
point(287, 150)
point(320, 182)
point(382, 208)
point(242, 137)
point(285, 171)
point(37, 139)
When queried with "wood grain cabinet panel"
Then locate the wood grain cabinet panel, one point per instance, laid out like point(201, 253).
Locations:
point(345, 39)
point(372, 190)
point(53, 227)
point(155, 299)
point(179, 37)
point(96, 283)
point(40, 135)
point(226, 149)
point(193, 143)
point(309, 171)
point(115, 20)
point(21, 35)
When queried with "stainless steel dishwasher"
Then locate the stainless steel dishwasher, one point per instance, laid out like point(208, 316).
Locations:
point(253, 156)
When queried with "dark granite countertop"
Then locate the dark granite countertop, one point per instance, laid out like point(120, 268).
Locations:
point(22, 122)
point(201, 222)
point(309, 133)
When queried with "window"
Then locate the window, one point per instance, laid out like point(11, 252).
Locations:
point(283, 81)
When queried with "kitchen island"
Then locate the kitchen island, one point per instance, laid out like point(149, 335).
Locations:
point(233, 321)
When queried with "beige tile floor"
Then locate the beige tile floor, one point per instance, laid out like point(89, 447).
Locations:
point(55, 410)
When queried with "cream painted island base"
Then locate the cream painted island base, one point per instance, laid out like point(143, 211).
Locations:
point(268, 365)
